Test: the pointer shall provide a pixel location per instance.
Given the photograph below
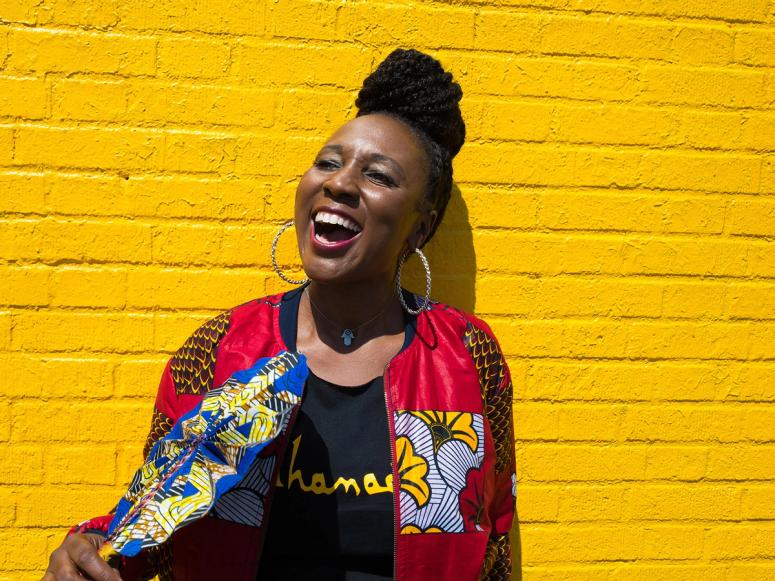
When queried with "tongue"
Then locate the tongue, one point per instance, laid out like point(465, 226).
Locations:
point(337, 234)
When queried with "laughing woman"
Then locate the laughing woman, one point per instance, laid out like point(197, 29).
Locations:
point(399, 461)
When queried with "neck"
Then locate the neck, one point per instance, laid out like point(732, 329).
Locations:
point(350, 305)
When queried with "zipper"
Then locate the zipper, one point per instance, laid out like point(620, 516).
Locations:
point(393, 466)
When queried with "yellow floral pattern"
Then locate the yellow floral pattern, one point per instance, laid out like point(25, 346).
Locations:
point(446, 426)
point(412, 471)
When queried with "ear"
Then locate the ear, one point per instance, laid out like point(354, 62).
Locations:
point(422, 229)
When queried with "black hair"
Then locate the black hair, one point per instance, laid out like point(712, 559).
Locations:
point(413, 87)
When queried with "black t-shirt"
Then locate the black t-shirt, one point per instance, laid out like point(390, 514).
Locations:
point(332, 512)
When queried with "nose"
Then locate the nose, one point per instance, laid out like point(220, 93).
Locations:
point(342, 183)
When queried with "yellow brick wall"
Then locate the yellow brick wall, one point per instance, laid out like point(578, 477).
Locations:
point(617, 217)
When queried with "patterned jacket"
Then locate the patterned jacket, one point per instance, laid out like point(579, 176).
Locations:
point(448, 399)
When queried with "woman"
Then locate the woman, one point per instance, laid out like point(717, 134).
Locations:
point(399, 463)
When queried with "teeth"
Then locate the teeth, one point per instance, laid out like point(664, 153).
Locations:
point(328, 218)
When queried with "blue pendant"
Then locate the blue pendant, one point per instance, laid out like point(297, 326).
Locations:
point(347, 337)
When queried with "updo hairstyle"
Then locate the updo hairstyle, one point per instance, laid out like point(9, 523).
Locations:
point(414, 88)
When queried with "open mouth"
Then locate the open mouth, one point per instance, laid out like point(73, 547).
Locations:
point(333, 228)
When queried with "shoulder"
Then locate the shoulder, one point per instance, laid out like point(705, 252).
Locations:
point(478, 340)
point(192, 366)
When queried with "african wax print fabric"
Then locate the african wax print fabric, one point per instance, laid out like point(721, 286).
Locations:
point(208, 451)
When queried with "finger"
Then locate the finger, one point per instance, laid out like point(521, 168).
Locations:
point(62, 568)
point(88, 560)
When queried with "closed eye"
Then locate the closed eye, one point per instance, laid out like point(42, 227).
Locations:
point(327, 164)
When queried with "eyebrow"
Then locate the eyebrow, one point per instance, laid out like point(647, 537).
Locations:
point(374, 156)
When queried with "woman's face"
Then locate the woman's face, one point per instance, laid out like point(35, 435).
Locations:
point(359, 205)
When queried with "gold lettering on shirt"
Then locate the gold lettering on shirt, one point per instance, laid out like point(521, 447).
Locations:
point(318, 485)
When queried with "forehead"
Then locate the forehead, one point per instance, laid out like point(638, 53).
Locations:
point(384, 135)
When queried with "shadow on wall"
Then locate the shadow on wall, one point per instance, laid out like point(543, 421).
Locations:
point(453, 267)
point(452, 259)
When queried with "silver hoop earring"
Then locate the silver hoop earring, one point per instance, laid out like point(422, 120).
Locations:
point(427, 300)
point(276, 267)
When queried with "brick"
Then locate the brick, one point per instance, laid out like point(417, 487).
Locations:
point(555, 542)
point(80, 464)
point(537, 422)
point(171, 331)
point(194, 289)
point(515, 164)
point(211, 245)
point(703, 86)
point(536, 503)
point(421, 26)
point(582, 462)
point(740, 540)
point(703, 45)
point(165, 102)
point(698, 339)
point(493, 206)
point(711, 129)
point(101, 422)
point(6, 145)
point(23, 97)
point(19, 12)
point(55, 240)
point(87, 195)
point(5, 427)
point(22, 548)
point(694, 422)
point(741, 462)
point(319, 111)
point(693, 300)
point(613, 123)
point(5, 331)
point(7, 507)
point(742, 571)
point(749, 383)
point(79, 287)
point(86, 13)
point(303, 19)
point(22, 192)
point(88, 332)
point(751, 301)
point(575, 422)
point(756, 10)
point(629, 381)
point(215, 16)
point(670, 462)
point(500, 30)
point(755, 46)
point(190, 57)
point(276, 64)
point(89, 100)
point(63, 51)
point(211, 152)
point(585, 502)
point(56, 377)
point(757, 502)
point(221, 199)
point(119, 149)
point(24, 286)
point(703, 172)
point(543, 77)
point(509, 120)
point(49, 506)
point(639, 571)
point(138, 378)
point(23, 463)
point(751, 217)
point(756, 132)
point(632, 212)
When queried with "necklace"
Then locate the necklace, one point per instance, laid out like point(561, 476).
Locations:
point(348, 335)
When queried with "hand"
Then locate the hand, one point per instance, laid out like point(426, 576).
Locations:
point(77, 557)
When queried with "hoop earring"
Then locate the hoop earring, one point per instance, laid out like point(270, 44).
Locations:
point(427, 301)
point(276, 267)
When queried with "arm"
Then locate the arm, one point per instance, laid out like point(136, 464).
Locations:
point(495, 382)
point(186, 378)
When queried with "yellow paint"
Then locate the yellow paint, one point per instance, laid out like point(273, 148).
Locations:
point(616, 229)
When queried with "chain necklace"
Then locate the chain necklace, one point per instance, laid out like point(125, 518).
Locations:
point(348, 335)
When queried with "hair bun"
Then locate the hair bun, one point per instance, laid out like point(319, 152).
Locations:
point(415, 87)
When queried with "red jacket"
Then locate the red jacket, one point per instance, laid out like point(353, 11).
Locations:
point(448, 398)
